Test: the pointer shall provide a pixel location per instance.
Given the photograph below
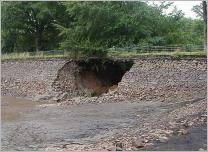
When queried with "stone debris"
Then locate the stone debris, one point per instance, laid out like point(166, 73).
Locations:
point(119, 149)
point(29, 78)
point(137, 143)
point(163, 139)
point(201, 149)
point(111, 148)
point(183, 132)
point(164, 80)
point(119, 144)
point(149, 79)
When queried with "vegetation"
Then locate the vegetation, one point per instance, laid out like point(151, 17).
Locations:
point(110, 54)
point(91, 28)
point(201, 11)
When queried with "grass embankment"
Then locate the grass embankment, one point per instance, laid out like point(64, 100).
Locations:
point(132, 54)
point(111, 54)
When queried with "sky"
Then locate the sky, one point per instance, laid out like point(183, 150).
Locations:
point(186, 7)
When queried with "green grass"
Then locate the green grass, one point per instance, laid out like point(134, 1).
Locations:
point(39, 55)
point(132, 54)
point(111, 54)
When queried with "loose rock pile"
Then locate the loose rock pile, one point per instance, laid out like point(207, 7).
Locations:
point(165, 80)
point(29, 78)
point(150, 79)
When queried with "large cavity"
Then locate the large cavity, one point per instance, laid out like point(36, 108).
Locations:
point(100, 75)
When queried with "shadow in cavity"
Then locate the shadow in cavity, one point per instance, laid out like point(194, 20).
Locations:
point(100, 75)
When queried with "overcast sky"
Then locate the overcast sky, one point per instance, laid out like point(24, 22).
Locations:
point(185, 6)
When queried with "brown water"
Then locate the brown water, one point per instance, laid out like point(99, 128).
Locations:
point(28, 125)
point(12, 107)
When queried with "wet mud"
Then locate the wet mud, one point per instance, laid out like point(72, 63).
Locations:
point(28, 125)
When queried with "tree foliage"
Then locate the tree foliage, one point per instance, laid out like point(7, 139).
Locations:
point(94, 26)
point(28, 25)
point(201, 11)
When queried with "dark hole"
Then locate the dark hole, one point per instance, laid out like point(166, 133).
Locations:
point(98, 75)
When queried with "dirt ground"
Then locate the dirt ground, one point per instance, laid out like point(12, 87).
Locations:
point(106, 126)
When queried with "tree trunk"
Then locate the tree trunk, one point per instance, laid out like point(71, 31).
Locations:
point(37, 45)
point(205, 24)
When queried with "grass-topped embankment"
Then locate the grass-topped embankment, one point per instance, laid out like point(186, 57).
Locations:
point(37, 55)
point(111, 54)
point(133, 54)
point(26, 55)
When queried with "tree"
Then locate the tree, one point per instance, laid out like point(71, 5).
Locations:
point(107, 24)
point(95, 26)
point(31, 20)
point(204, 3)
point(201, 11)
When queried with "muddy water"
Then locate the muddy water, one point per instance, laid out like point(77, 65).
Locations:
point(27, 125)
point(12, 108)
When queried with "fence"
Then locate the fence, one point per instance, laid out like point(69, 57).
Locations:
point(115, 51)
point(168, 48)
